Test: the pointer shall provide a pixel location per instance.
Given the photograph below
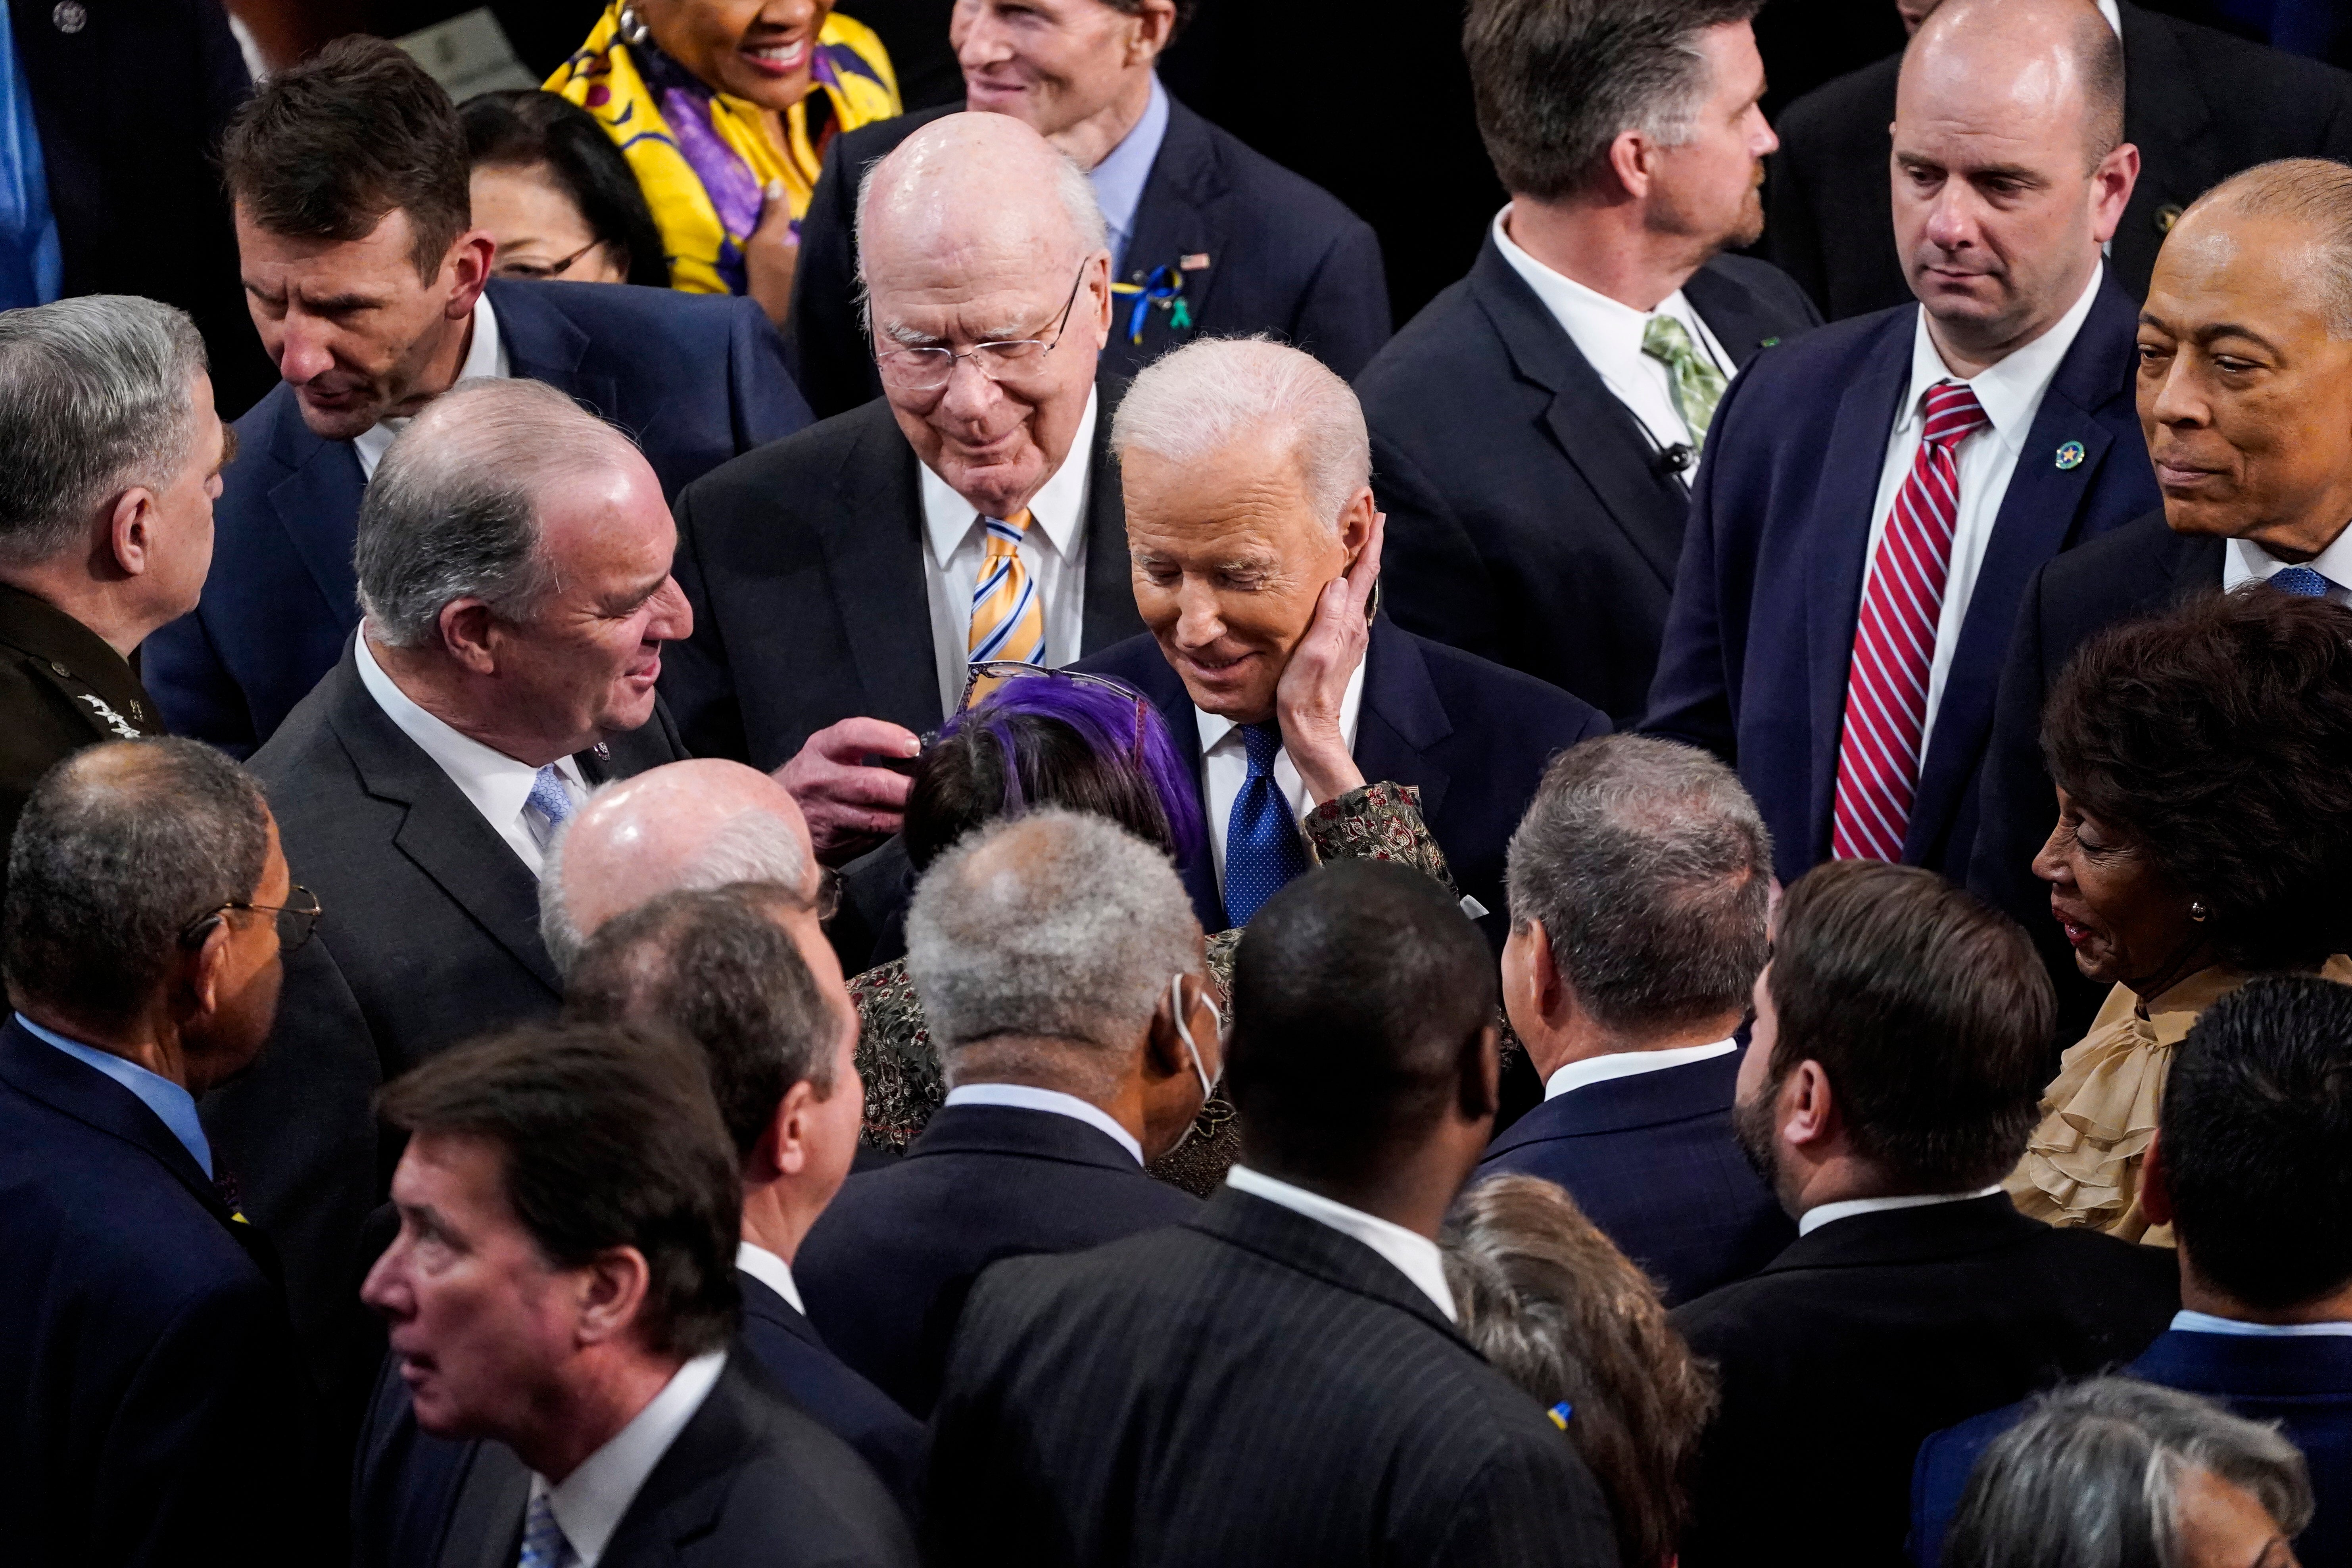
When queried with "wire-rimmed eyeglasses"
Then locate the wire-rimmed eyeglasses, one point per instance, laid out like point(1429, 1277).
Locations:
point(927, 370)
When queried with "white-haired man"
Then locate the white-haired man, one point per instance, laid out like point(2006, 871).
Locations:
point(843, 579)
point(1256, 548)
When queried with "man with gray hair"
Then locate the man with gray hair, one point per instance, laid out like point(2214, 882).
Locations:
point(1064, 978)
point(110, 456)
point(1640, 882)
point(513, 564)
point(1536, 427)
point(845, 580)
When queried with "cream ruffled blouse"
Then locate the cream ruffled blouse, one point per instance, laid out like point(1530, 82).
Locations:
point(2082, 1165)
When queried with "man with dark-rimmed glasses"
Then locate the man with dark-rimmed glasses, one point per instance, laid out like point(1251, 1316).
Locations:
point(845, 579)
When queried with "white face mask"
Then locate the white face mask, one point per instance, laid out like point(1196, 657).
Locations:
point(1178, 1012)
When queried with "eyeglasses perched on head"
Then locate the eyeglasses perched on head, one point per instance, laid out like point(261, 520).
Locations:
point(984, 677)
point(927, 370)
point(297, 921)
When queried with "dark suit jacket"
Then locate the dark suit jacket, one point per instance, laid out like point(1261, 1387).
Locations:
point(1651, 1161)
point(1472, 736)
point(2305, 1384)
point(790, 1350)
point(1254, 1387)
point(1878, 1328)
point(886, 1268)
point(695, 379)
point(1528, 519)
point(750, 1480)
point(1284, 257)
point(150, 1375)
point(1760, 642)
point(805, 564)
point(2200, 104)
point(2140, 569)
point(431, 936)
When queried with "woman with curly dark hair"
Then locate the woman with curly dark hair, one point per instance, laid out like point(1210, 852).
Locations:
point(2204, 767)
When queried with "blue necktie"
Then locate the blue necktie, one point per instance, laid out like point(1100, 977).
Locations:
point(544, 1546)
point(2300, 581)
point(1263, 850)
point(548, 797)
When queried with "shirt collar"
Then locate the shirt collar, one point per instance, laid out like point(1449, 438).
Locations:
point(1415, 1256)
point(1592, 318)
point(496, 784)
point(1058, 508)
point(1583, 1074)
point(486, 356)
point(172, 1104)
point(2010, 392)
point(2247, 561)
point(1120, 178)
point(2186, 1322)
point(1216, 730)
point(1819, 1215)
point(771, 1270)
point(2114, 14)
point(1021, 1097)
point(590, 1503)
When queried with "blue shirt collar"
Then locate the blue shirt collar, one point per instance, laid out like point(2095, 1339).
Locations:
point(1120, 178)
point(175, 1106)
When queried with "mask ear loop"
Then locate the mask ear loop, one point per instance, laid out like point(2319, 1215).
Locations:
point(1176, 1010)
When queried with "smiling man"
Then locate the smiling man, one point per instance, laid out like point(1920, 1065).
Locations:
point(1875, 496)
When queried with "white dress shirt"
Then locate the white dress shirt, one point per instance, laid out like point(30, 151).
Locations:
point(1626, 1064)
point(2188, 1322)
point(486, 356)
point(1053, 549)
point(590, 1500)
point(1819, 1215)
point(2011, 393)
point(770, 1271)
point(1225, 767)
point(2243, 562)
point(1021, 1097)
point(1120, 178)
point(1415, 1255)
point(497, 785)
point(1608, 333)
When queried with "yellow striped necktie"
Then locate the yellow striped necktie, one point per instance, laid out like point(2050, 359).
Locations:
point(1008, 619)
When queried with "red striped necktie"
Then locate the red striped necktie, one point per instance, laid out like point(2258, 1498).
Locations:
point(1894, 641)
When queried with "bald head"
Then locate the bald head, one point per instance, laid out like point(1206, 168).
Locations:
point(2047, 60)
point(983, 189)
point(685, 826)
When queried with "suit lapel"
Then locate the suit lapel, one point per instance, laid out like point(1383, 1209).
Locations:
point(1402, 718)
point(1731, 313)
point(687, 1489)
point(1110, 615)
point(1182, 214)
point(485, 1528)
point(873, 540)
point(318, 504)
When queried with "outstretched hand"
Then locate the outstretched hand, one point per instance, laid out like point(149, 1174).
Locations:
point(1314, 684)
point(850, 806)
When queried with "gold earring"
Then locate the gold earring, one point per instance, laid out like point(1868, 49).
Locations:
point(2198, 912)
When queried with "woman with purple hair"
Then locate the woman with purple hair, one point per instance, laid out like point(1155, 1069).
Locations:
point(1083, 743)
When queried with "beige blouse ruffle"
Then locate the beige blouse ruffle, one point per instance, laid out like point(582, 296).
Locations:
point(2082, 1165)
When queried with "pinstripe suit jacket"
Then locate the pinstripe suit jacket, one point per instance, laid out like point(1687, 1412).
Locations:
point(1252, 1387)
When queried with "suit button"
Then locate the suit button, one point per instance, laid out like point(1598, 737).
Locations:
point(2166, 216)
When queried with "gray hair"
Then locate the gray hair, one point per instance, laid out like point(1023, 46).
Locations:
point(2092, 1478)
point(121, 846)
point(749, 847)
point(1555, 82)
point(1650, 871)
point(1073, 935)
point(2316, 192)
point(453, 510)
point(95, 397)
point(1188, 405)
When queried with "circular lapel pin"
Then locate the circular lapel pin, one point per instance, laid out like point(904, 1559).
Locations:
point(2070, 455)
point(69, 17)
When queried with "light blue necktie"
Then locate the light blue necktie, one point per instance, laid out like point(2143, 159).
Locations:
point(2302, 582)
point(548, 797)
point(1263, 850)
point(544, 1546)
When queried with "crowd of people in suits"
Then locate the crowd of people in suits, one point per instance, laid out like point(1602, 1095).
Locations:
point(855, 837)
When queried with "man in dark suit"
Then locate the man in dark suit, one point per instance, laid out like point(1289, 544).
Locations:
point(2248, 1167)
point(1256, 545)
point(1206, 237)
point(1060, 967)
point(1532, 428)
point(2198, 104)
point(110, 457)
point(560, 1307)
point(1280, 1381)
point(2245, 396)
point(1890, 1084)
point(1875, 496)
point(367, 284)
point(764, 1000)
point(1639, 883)
point(843, 581)
point(151, 1371)
point(514, 562)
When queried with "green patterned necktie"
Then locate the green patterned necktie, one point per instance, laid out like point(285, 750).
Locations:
point(1697, 385)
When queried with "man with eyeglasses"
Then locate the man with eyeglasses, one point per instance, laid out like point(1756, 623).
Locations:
point(843, 580)
point(152, 1374)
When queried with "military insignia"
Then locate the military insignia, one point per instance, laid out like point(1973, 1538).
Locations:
point(2070, 455)
point(114, 721)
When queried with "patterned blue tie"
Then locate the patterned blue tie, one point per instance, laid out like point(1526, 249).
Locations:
point(544, 1546)
point(548, 797)
point(2300, 581)
point(1263, 850)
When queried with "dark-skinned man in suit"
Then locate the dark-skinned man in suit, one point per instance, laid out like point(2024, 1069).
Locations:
point(1875, 496)
point(1534, 429)
point(1206, 235)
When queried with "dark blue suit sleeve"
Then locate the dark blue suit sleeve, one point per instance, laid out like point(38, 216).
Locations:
point(766, 403)
point(1940, 1475)
point(1436, 583)
point(1690, 696)
point(192, 688)
point(1343, 316)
